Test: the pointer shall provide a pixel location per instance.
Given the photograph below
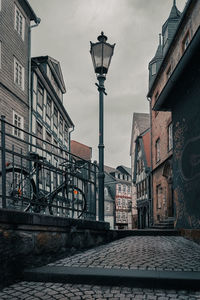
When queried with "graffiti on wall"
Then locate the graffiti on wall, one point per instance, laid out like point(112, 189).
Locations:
point(190, 159)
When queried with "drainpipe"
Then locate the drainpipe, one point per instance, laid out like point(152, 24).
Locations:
point(70, 138)
point(37, 22)
point(151, 177)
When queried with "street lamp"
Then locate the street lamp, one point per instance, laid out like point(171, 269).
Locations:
point(101, 53)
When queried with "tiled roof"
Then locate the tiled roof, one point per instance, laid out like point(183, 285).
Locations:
point(81, 150)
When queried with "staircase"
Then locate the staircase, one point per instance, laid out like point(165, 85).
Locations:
point(164, 224)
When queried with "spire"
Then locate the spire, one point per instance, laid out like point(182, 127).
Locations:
point(175, 13)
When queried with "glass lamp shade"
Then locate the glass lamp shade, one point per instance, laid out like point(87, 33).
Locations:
point(101, 53)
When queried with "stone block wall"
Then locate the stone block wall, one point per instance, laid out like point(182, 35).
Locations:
point(28, 239)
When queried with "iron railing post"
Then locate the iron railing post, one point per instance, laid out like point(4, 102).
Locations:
point(3, 161)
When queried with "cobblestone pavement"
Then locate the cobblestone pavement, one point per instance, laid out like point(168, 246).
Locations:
point(137, 252)
point(51, 291)
point(169, 253)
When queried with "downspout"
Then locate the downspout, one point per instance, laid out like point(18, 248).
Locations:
point(37, 22)
point(70, 138)
point(151, 175)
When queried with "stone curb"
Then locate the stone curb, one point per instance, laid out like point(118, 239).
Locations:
point(100, 276)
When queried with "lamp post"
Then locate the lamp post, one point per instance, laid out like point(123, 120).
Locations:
point(101, 53)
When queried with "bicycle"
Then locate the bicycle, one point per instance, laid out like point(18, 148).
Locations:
point(20, 185)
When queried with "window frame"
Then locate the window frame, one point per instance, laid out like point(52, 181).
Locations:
point(19, 75)
point(49, 107)
point(157, 147)
point(55, 117)
point(40, 95)
point(16, 132)
point(40, 135)
point(19, 25)
point(170, 136)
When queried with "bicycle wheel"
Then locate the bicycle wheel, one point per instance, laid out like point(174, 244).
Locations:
point(20, 189)
point(68, 201)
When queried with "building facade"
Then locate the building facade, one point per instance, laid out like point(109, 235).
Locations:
point(121, 191)
point(49, 119)
point(161, 125)
point(140, 123)
point(15, 26)
point(142, 179)
point(180, 95)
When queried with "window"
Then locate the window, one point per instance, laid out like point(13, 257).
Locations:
point(106, 191)
point(48, 139)
point(107, 206)
point(129, 189)
point(119, 188)
point(39, 134)
point(123, 203)
point(66, 135)
point(157, 150)
point(159, 195)
point(61, 126)
point(48, 109)
point(40, 96)
point(153, 69)
point(170, 137)
point(18, 121)
point(124, 188)
point(186, 41)
point(55, 117)
point(119, 202)
point(19, 22)
point(18, 74)
point(48, 178)
point(169, 71)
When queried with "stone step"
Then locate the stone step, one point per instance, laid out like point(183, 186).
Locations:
point(118, 277)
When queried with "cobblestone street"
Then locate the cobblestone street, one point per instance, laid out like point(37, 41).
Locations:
point(138, 252)
point(50, 291)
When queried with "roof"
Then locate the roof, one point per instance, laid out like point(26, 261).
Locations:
point(190, 62)
point(163, 64)
point(143, 123)
point(123, 168)
point(81, 150)
point(146, 137)
point(110, 169)
point(159, 52)
point(174, 15)
point(55, 68)
point(29, 11)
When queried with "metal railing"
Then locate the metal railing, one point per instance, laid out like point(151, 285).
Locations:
point(41, 177)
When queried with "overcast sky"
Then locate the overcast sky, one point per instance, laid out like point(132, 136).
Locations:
point(65, 32)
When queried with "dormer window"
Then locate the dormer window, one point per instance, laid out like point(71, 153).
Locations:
point(153, 69)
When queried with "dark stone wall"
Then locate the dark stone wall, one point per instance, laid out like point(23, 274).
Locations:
point(32, 240)
point(186, 157)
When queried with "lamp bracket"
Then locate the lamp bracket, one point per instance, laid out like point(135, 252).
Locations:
point(100, 88)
